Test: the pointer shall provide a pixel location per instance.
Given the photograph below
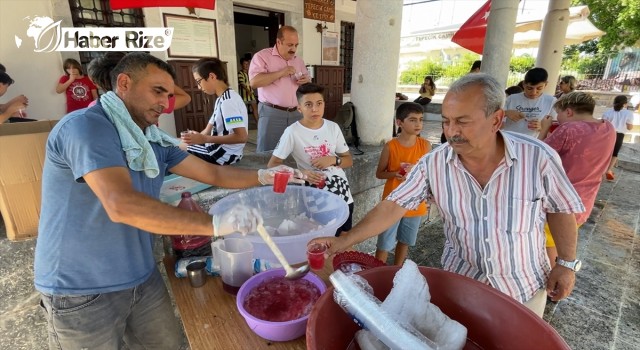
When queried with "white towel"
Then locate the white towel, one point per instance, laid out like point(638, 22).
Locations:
point(135, 144)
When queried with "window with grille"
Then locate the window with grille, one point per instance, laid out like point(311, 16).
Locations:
point(347, 30)
point(98, 13)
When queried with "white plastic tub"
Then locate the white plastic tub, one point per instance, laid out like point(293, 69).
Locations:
point(325, 208)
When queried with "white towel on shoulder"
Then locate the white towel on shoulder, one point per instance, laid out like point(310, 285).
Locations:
point(135, 144)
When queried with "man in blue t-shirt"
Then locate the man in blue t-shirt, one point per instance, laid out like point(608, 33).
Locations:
point(103, 171)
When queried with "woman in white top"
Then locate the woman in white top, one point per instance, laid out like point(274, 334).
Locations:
point(622, 120)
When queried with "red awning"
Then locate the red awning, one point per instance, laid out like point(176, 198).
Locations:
point(128, 4)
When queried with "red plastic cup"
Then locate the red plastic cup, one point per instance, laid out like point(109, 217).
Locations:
point(531, 123)
point(315, 255)
point(321, 183)
point(280, 181)
point(404, 167)
point(553, 126)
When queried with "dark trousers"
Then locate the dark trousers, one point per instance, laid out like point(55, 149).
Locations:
point(422, 100)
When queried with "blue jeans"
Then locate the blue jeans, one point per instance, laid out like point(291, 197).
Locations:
point(404, 231)
point(142, 317)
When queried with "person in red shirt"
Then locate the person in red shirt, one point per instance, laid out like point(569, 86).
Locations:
point(79, 89)
point(585, 145)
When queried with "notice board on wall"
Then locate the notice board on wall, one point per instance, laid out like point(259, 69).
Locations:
point(192, 37)
point(330, 47)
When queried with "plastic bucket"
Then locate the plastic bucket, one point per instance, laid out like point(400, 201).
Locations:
point(493, 319)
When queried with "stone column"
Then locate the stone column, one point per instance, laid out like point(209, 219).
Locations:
point(375, 67)
point(554, 29)
point(498, 41)
point(226, 29)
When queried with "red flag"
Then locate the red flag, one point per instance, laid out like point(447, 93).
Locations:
point(471, 34)
point(128, 4)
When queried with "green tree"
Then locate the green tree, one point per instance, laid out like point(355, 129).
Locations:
point(588, 66)
point(521, 64)
point(448, 72)
point(620, 19)
point(588, 47)
point(584, 58)
point(416, 72)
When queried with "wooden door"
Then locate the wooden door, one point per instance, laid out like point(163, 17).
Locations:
point(196, 114)
point(332, 79)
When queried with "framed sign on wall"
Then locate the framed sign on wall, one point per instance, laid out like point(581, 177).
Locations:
point(192, 37)
point(330, 47)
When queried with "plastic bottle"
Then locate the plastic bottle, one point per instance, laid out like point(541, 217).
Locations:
point(259, 265)
point(186, 245)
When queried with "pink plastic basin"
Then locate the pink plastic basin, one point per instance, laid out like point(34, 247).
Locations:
point(493, 319)
point(274, 331)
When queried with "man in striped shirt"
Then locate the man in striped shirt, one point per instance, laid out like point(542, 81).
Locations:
point(494, 190)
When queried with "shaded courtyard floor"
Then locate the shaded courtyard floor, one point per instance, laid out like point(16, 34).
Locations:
point(602, 313)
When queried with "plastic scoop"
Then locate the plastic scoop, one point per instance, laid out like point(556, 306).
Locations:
point(291, 274)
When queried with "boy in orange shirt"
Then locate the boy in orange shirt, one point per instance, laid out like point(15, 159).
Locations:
point(396, 160)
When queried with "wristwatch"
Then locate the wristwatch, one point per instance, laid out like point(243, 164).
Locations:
point(338, 161)
point(573, 265)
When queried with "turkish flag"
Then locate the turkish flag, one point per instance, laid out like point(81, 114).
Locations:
point(129, 4)
point(471, 34)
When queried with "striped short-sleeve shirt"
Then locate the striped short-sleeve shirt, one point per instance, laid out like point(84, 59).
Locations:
point(246, 91)
point(495, 234)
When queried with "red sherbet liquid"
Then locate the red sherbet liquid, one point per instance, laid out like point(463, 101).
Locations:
point(280, 300)
point(230, 289)
point(280, 181)
point(316, 258)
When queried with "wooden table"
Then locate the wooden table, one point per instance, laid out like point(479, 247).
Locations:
point(211, 319)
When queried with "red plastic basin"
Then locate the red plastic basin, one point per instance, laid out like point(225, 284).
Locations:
point(493, 319)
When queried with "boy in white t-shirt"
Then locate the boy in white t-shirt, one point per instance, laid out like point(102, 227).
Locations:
point(318, 147)
point(524, 111)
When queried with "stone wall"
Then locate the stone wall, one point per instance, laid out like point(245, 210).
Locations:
point(604, 98)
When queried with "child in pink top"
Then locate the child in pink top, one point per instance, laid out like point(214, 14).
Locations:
point(584, 144)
